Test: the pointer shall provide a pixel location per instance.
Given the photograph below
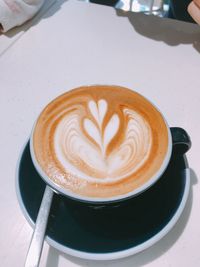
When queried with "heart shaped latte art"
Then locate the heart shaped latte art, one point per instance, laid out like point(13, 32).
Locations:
point(81, 143)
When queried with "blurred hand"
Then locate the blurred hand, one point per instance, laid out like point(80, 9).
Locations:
point(194, 10)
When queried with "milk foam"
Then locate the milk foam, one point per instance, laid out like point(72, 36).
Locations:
point(100, 141)
point(81, 144)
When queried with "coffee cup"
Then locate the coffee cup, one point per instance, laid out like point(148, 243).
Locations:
point(103, 144)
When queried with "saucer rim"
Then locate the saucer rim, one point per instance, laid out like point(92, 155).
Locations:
point(108, 255)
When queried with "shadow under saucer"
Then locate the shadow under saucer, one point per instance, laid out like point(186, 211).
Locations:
point(106, 233)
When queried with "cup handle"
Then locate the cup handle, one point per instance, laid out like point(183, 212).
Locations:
point(181, 140)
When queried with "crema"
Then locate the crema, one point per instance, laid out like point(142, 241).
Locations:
point(100, 141)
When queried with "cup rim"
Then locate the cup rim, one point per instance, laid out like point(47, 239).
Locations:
point(98, 200)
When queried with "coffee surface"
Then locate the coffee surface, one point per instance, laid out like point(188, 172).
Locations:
point(100, 141)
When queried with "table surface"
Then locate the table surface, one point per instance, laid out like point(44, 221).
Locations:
point(72, 43)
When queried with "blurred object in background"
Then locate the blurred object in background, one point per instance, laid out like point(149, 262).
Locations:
point(156, 7)
point(105, 2)
point(178, 10)
point(175, 9)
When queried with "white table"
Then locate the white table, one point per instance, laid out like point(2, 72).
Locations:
point(75, 43)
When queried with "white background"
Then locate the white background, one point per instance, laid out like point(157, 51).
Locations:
point(73, 43)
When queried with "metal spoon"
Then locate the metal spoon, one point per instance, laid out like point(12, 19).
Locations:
point(37, 240)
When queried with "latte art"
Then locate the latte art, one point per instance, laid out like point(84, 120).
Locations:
point(81, 144)
point(100, 141)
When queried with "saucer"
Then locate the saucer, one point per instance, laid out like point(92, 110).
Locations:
point(106, 233)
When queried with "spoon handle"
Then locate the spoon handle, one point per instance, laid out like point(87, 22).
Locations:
point(35, 248)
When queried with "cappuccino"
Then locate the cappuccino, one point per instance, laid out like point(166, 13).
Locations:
point(100, 141)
